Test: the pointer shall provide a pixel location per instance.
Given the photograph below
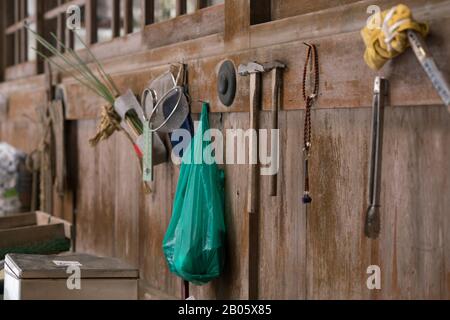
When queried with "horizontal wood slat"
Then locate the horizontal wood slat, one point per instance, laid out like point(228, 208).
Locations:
point(346, 80)
point(185, 27)
point(20, 25)
point(23, 70)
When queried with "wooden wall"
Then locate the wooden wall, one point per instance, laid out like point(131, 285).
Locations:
point(321, 253)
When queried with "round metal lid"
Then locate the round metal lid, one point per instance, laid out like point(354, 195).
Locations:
point(226, 83)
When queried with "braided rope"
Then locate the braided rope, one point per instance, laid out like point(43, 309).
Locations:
point(312, 61)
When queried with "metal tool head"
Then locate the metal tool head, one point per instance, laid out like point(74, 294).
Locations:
point(250, 68)
point(254, 67)
point(274, 65)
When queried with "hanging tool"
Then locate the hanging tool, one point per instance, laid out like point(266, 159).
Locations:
point(388, 34)
point(277, 70)
point(310, 95)
point(253, 70)
point(428, 64)
point(372, 225)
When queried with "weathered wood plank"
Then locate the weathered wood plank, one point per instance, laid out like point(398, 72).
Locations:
point(23, 134)
point(104, 222)
point(156, 210)
point(413, 252)
point(237, 24)
point(87, 189)
point(283, 228)
point(127, 209)
point(22, 70)
point(184, 27)
point(288, 8)
point(410, 250)
point(346, 80)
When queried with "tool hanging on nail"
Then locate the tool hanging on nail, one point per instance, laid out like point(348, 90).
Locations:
point(277, 80)
point(429, 65)
point(309, 96)
point(395, 31)
point(372, 224)
point(254, 70)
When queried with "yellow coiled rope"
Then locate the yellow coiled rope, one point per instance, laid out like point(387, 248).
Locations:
point(388, 39)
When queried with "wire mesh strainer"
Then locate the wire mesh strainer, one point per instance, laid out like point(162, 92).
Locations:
point(166, 105)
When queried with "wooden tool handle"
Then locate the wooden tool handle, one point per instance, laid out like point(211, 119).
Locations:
point(255, 88)
point(276, 91)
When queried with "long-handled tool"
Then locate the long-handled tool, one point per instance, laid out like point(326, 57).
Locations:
point(277, 69)
point(372, 225)
point(429, 65)
point(253, 70)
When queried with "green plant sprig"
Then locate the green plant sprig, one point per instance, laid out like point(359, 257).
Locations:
point(71, 63)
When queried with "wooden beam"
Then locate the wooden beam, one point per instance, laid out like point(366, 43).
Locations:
point(211, 19)
point(148, 12)
point(115, 19)
point(237, 24)
point(17, 26)
point(181, 7)
point(128, 16)
point(91, 22)
point(21, 70)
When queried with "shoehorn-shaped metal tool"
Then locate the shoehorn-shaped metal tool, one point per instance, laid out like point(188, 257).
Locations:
point(372, 224)
point(429, 65)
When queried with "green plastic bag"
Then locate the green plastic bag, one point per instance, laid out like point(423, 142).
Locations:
point(194, 242)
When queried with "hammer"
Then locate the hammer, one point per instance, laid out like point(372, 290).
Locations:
point(253, 70)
